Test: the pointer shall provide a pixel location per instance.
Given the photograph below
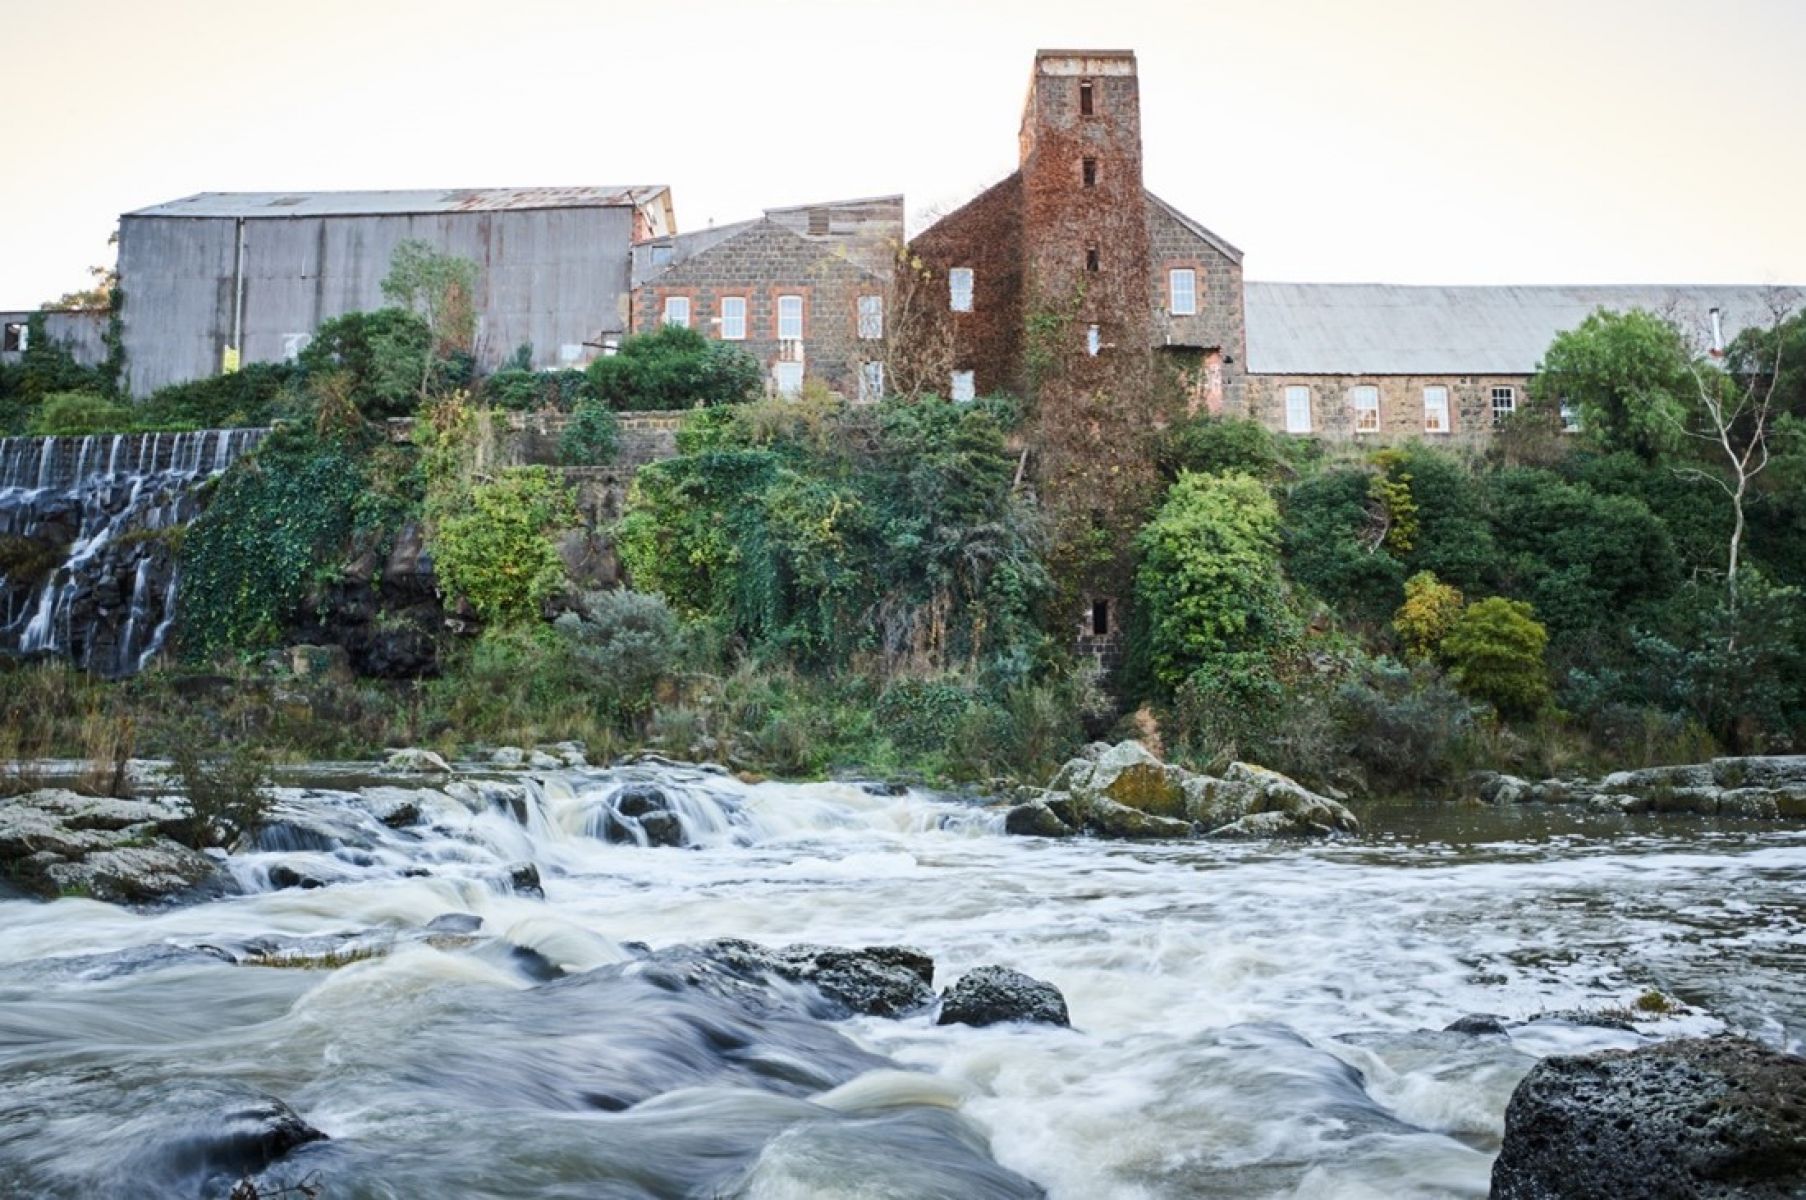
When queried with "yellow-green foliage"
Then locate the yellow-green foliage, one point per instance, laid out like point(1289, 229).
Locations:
point(498, 552)
point(1428, 613)
point(1495, 653)
point(1390, 492)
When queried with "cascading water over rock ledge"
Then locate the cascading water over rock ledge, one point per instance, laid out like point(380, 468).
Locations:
point(85, 571)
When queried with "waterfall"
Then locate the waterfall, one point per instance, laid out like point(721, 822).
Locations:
point(83, 571)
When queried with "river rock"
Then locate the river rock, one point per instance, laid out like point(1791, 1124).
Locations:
point(508, 757)
point(876, 981)
point(993, 995)
point(1107, 818)
point(523, 877)
point(417, 761)
point(1712, 1118)
point(56, 842)
point(1035, 819)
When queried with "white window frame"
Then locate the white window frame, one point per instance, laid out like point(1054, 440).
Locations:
point(871, 380)
point(790, 318)
point(787, 378)
point(1510, 396)
point(733, 318)
point(871, 318)
point(1366, 415)
point(1436, 395)
point(1570, 417)
point(962, 388)
point(960, 285)
point(1189, 306)
point(1094, 339)
point(673, 303)
point(1298, 408)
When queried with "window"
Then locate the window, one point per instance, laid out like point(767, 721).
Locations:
point(1298, 409)
point(959, 285)
point(1084, 97)
point(963, 389)
point(787, 378)
point(871, 317)
point(1091, 258)
point(1094, 340)
point(1504, 403)
point(1570, 417)
point(677, 311)
point(1435, 409)
point(662, 254)
point(733, 318)
point(1182, 292)
point(293, 344)
point(871, 381)
point(1365, 401)
point(790, 318)
point(15, 337)
point(1100, 618)
point(1088, 172)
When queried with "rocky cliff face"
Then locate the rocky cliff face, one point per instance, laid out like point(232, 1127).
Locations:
point(88, 530)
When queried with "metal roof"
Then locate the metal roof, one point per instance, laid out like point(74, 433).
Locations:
point(1389, 329)
point(445, 200)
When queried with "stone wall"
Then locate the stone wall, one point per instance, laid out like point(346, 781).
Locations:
point(986, 236)
point(760, 264)
point(1401, 404)
point(1219, 328)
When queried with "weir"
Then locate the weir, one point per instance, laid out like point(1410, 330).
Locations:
point(87, 562)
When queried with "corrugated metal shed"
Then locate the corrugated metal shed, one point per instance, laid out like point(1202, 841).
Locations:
point(1388, 329)
point(445, 200)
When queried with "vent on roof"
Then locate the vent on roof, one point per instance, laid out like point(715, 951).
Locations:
point(818, 222)
point(287, 201)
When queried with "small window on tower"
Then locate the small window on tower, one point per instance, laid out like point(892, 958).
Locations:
point(1091, 258)
point(1094, 340)
point(1100, 618)
point(1089, 172)
point(1084, 97)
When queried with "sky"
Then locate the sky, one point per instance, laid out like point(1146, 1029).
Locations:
point(1403, 141)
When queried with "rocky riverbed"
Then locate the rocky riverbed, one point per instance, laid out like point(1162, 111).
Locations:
point(529, 977)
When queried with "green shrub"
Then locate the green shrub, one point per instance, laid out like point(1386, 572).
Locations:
point(224, 787)
point(623, 644)
point(496, 549)
point(1628, 375)
point(1429, 611)
point(593, 437)
point(1407, 729)
point(521, 389)
point(675, 367)
point(255, 395)
point(1331, 549)
point(923, 714)
point(1495, 652)
point(387, 357)
point(1212, 445)
point(76, 414)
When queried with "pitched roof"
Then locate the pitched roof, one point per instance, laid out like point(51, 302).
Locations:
point(1388, 329)
point(443, 200)
point(1223, 247)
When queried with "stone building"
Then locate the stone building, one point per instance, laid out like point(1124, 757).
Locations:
point(1445, 364)
point(803, 289)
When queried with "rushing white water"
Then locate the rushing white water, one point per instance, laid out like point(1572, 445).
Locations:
point(1249, 1020)
point(109, 603)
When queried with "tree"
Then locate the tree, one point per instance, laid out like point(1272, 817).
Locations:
point(1430, 610)
point(387, 356)
point(1737, 412)
point(441, 290)
point(1629, 376)
point(1494, 650)
point(1208, 584)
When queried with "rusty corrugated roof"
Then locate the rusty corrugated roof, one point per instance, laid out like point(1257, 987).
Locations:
point(400, 203)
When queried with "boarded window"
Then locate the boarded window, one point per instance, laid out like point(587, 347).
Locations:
point(1088, 172)
point(871, 381)
point(733, 318)
point(790, 318)
point(964, 388)
point(959, 288)
point(1504, 403)
point(1298, 409)
point(1436, 409)
point(1182, 291)
point(677, 311)
point(1085, 106)
point(1365, 401)
point(871, 317)
point(787, 378)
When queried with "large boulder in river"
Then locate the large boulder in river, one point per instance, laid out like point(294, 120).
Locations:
point(1123, 791)
point(874, 981)
point(56, 842)
point(995, 995)
point(1711, 1119)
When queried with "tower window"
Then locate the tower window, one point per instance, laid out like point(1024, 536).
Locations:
point(1100, 618)
point(1182, 291)
point(1084, 97)
point(1091, 258)
point(959, 286)
point(1094, 340)
point(1089, 172)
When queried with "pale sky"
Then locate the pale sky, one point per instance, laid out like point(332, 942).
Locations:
point(1408, 141)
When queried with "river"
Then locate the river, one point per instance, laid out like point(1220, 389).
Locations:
point(1249, 1020)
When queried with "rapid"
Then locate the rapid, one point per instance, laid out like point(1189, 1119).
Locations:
point(1249, 1019)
